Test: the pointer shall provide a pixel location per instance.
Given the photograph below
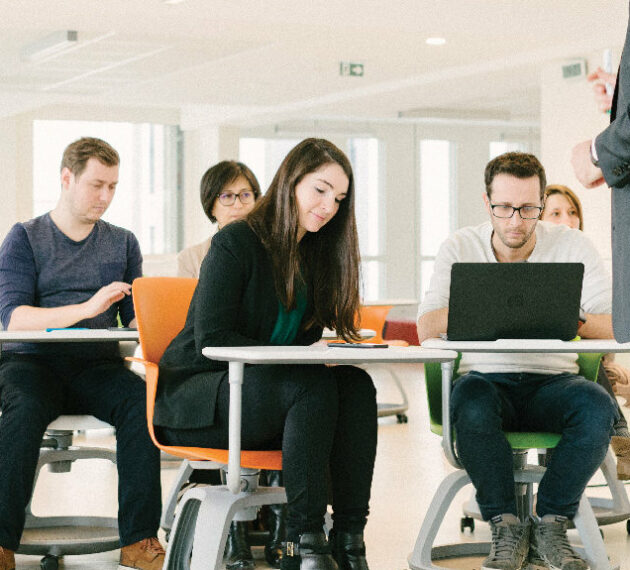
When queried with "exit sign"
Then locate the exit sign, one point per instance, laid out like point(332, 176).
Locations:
point(350, 69)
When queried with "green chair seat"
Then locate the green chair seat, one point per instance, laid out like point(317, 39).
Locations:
point(588, 364)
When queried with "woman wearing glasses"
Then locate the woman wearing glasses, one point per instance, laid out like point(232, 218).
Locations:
point(229, 190)
point(277, 278)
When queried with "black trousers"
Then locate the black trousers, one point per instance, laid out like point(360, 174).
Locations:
point(322, 418)
point(36, 390)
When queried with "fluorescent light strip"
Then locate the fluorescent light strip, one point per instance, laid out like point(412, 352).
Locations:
point(50, 46)
point(104, 68)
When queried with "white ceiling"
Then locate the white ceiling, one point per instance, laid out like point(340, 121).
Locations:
point(249, 61)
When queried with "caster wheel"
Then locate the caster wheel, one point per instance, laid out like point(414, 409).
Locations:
point(49, 562)
point(467, 522)
point(402, 418)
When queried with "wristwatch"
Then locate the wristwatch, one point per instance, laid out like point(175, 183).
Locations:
point(593, 153)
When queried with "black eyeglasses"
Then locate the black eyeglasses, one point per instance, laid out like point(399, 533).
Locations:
point(229, 198)
point(525, 212)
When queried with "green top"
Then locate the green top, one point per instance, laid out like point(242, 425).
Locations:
point(288, 323)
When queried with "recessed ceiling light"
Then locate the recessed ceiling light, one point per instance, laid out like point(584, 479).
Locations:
point(435, 41)
point(173, 1)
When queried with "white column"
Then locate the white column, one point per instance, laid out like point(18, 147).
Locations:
point(204, 145)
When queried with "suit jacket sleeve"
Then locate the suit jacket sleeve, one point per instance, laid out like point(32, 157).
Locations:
point(613, 144)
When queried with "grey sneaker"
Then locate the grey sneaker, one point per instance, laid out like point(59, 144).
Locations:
point(510, 543)
point(551, 545)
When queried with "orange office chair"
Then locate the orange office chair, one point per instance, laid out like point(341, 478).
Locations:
point(373, 317)
point(204, 514)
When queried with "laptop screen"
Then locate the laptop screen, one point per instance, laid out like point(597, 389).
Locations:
point(489, 301)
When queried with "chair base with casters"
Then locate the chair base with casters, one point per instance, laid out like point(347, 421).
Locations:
point(438, 382)
point(390, 409)
point(184, 472)
point(56, 536)
point(607, 510)
point(203, 520)
point(425, 552)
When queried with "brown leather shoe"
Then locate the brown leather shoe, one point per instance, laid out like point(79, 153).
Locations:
point(7, 559)
point(621, 447)
point(146, 554)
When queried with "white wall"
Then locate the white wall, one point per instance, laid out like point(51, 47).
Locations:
point(569, 115)
point(16, 171)
point(204, 146)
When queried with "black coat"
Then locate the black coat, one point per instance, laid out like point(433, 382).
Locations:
point(235, 304)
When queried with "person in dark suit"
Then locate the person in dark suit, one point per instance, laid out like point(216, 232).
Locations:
point(277, 278)
point(607, 159)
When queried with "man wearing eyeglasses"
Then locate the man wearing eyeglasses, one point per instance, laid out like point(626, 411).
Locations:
point(525, 392)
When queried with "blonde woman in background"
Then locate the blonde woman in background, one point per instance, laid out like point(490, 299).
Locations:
point(562, 206)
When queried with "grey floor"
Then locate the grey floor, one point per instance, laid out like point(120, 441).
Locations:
point(409, 468)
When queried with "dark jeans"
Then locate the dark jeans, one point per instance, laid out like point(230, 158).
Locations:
point(483, 405)
point(36, 390)
point(319, 416)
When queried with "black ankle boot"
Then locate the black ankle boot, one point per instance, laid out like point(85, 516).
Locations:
point(348, 549)
point(238, 554)
point(277, 534)
point(275, 523)
point(311, 553)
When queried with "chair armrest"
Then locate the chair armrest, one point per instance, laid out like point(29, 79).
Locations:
point(152, 372)
point(448, 442)
point(236, 384)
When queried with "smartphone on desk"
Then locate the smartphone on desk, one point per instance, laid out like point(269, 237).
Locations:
point(356, 345)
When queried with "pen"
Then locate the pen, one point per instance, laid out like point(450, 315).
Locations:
point(68, 329)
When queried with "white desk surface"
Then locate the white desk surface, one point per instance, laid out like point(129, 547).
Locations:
point(527, 345)
point(68, 335)
point(329, 334)
point(320, 354)
point(238, 356)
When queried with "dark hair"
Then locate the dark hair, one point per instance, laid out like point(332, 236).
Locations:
point(76, 155)
point(217, 177)
point(326, 261)
point(569, 195)
point(519, 164)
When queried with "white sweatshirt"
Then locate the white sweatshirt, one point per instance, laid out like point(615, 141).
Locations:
point(554, 243)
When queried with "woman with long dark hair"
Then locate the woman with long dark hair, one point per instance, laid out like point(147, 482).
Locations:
point(277, 278)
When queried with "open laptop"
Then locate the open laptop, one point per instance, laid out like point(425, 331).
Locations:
point(489, 301)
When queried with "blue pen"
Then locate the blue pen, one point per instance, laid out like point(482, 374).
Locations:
point(68, 329)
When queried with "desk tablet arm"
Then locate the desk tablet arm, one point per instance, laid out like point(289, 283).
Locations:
point(448, 439)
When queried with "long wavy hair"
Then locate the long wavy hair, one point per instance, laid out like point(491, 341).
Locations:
point(327, 261)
